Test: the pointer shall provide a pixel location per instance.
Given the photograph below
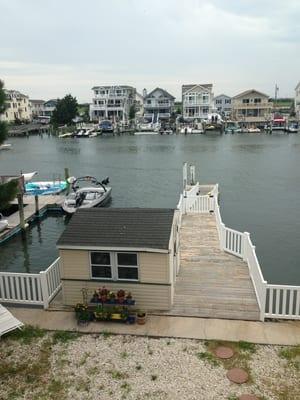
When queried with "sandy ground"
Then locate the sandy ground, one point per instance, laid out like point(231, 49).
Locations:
point(103, 366)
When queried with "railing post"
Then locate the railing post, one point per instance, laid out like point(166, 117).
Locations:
point(44, 287)
point(263, 302)
point(246, 240)
point(223, 236)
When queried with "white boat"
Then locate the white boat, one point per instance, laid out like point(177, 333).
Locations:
point(66, 135)
point(253, 130)
point(146, 133)
point(292, 129)
point(3, 223)
point(29, 175)
point(197, 130)
point(87, 197)
point(186, 129)
point(6, 146)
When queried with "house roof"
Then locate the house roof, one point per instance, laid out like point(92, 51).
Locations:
point(119, 228)
point(37, 101)
point(167, 94)
point(187, 88)
point(249, 92)
point(222, 95)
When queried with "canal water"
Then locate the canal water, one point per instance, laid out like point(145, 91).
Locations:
point(259, 177)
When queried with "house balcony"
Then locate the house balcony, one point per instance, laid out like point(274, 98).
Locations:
point(149, 115)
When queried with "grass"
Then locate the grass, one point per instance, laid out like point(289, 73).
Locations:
point(292, 355)
point(209, 357)
point(64, 336)
point(26, 334)
point(106, 334)
point(115, 374)
point(124, 354)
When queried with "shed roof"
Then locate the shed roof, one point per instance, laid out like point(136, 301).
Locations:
point(119, 228)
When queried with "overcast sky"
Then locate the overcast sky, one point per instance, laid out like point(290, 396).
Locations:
point(53, 47)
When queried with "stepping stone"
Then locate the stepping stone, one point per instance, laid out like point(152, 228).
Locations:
point(224, 352)
point(248, 397)
point(237, 375)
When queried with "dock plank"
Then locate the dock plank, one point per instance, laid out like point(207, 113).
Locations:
point(211, 283)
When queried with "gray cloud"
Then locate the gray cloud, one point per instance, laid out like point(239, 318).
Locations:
point(54, 47)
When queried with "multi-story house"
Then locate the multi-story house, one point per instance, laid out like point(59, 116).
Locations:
point(139, 105)
point(158, 105)
point(197, 101)
point(222, 104)
point(112, 102)
point(252, 107)
point(37, 107)
point(48, 107)
point(17, 107)
point(297, 101)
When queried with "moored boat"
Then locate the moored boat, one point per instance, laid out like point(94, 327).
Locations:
point(6, 146)
point(87, 197)
point(44, 188)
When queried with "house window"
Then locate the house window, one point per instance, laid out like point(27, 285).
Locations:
point(127, 266)
point(246, 101)
point(101, 265)
point(114, 266)
point(227, 101)
point(257, 100)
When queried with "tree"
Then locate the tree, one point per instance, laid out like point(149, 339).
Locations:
point(3, 125)
point(132, 112)
point(65, 111)
point(8, 191)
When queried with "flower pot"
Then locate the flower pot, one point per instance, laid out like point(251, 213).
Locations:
point(141, 319)
point(116, 316)
point(82, 322)
point(130, 319)
point(130, 302)
point(121, 300)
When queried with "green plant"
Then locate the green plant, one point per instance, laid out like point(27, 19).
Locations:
point(115, 374)
point(26, 334)
point(247, 346)
point(64, 336)
point(124, 354)
point(106, 334)
point(209, 357)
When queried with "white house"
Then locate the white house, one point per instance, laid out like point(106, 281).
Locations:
point(222, 105)
point(197, 101)
point(37, 107)
point(297, 101)
point(17, 107)
point(158, 105)
point(112, 102)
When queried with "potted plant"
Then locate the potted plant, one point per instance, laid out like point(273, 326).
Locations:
point(141, 318)
point(98, 313)
point(129, 299)
point(83, 317)
point(111, 298)
point(121, 296)
point(131, 319)
point(103, 294)
point(80, 307)
point(95, 298)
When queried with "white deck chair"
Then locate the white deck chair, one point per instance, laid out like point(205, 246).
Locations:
point(8, 322)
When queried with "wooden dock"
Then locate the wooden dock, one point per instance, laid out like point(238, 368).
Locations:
point(45, 202)
point(211, 283)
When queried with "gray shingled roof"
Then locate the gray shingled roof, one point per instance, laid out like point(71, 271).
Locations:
point(119, 227)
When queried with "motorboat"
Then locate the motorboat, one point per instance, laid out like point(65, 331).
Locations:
point(6, 146)
point(66, 135)
point(146, 133)
point(106, 126)
point(197, 130)
point(3, 223)
point(292, 129)
point(253, 130)
point(166, 132)
point(87, 197)
point(186, 129)
point(44, 188)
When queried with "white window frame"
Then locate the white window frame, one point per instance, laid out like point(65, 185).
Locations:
point(102, 265)
point(114, 265)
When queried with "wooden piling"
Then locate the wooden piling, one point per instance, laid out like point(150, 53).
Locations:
point(21, 211)
point(36, 200)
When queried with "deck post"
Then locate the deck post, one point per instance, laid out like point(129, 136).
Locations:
point(21, 211)
point(184, 173)
point(36, 200)
point(246, 237)
point(44, 287)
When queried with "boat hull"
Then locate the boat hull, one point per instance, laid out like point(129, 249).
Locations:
point(97, 203)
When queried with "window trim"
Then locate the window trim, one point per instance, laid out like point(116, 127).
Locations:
point(101, 265)
point(114, 266)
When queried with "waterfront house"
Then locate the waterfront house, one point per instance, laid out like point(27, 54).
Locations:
point(158, 105)
point(48, 107)
point(197, 101)
point(17, 107)
point(252, 108)
point(133, 249)
point(37, 107)
point(297, 101)
point(112, 102)
point(139, 105)
point(222, 104)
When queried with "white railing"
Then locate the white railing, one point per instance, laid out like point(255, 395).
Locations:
point(31, 289)
point(283, 301)
point(275, 301)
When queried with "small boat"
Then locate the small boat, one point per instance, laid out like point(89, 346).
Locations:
point(145, 133)
point(253, 130)
point(166, 132)
point(87, 197)
point(29, 175)
point(3, 223)
point(6, 146)
point(186, 129)
point(197, 130)
point(66, 135)
point(106, 126)
point(45, 188)
point(292, 129)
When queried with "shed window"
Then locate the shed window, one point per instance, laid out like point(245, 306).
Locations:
point(101, 265)
point(127, 266)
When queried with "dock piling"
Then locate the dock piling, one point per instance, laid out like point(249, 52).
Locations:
point(21, 211)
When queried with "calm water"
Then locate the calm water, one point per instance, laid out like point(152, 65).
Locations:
point(259, 178)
